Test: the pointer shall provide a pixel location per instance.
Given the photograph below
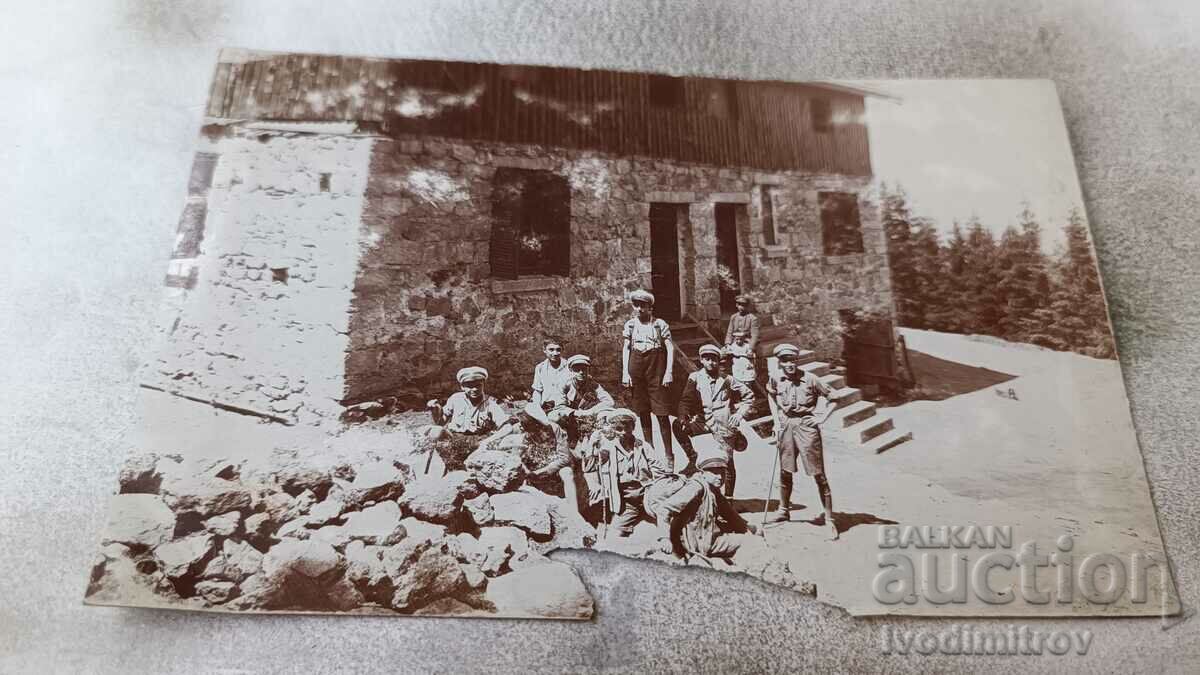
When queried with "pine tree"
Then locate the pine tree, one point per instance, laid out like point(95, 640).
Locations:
point(912, 257)
point(1024, 285)
point(949, 304)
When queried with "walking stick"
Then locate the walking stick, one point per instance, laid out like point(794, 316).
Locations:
point(767, 500)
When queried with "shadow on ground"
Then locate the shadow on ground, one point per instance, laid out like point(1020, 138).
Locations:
point(939, 379)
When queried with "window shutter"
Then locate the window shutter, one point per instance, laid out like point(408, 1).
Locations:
point(506, 226)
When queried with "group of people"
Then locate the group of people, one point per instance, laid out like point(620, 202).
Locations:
point(625, 479)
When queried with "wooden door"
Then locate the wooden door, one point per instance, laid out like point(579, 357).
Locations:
point(664, 260)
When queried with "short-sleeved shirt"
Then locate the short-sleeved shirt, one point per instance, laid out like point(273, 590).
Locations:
point(644, 337)
point(466, 417)
point(546, 376)
point(743, 362)
point(798, 397)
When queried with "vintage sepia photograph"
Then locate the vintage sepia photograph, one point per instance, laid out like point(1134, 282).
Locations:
point(427, 322)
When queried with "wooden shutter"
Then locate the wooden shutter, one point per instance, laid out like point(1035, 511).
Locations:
point(506, 225)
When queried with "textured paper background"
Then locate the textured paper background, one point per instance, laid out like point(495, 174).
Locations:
point(102, 105)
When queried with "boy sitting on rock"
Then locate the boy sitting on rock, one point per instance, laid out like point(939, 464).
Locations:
point(469, 418)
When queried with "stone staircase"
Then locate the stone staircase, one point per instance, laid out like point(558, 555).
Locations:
point(855, 420)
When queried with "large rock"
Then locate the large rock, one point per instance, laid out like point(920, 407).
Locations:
point(326, 511)
point(364, 564)
point(309, 558)
point(436, 498)
point(140, 475)
point(499, 545)
point(224, 525)
point(571, 530)
point(274, 508)
point(120, 577)
point(549, 590)
point(259, 527)
point(524, 510)
point(236, 561)
point(139, 520)
point(210, 498)
point(216, 592)
point(480, 509)
point(295, 476)
point(185, 556)
point(377, 525)
point(375, 482)
point(435, 574)
point(495, 470)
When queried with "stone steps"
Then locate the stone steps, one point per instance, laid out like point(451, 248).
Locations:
point(853, 413)
point(871, 427)
point(887, 441)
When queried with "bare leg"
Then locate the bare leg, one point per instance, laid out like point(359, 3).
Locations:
point(827, 504)
point(569, 491)
point(664, 429)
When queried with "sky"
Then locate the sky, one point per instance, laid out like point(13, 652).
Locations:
point(976, 147)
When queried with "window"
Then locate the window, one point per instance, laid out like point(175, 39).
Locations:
point(666, 91)
point(768, 217)
point(841, 229)
point(822, 115)
point(531, 224)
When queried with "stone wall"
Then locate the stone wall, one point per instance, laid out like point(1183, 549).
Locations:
point(261, 325)
point(425, 303)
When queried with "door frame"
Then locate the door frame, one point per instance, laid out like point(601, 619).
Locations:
point(677, 208)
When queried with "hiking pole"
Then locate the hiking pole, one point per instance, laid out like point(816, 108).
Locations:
point(770, 487)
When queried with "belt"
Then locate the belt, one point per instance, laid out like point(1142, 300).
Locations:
point(647, 351)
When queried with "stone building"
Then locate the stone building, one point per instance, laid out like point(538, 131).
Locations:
point(360, 229)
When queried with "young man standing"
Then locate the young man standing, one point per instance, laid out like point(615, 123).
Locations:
point(800, 403)
point(647, 363)
point(714, 403)
point(467, 419)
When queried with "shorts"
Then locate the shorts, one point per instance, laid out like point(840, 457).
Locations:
point(646, 370)
point(800, 445)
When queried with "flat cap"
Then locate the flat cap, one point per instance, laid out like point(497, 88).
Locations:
point(471, 374)
point(579, 359)
point(786, 350)
point(742, 299)
point(708, 456)
point(641, 295)
point(616, 414)
point(710, 350)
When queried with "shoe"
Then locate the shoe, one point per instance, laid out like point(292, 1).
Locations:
point(779, 516)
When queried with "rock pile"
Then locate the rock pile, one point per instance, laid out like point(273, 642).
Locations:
point(306, 533)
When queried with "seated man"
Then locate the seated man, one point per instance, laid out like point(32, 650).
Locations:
point(577, 397)
point(693, 517)
point(714, 403)
point(617, 466)
point(466, 420)
point(574, 404)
